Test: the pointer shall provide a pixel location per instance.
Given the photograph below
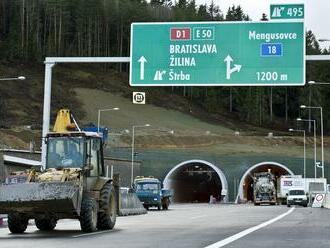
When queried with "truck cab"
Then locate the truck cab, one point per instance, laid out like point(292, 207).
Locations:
point(150, 193)
point(297, 197)
point(264, 188)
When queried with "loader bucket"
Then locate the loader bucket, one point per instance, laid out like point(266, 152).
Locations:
point(129, 203)
point(50, 197)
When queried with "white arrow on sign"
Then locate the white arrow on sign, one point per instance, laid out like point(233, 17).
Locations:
point(142, 60)
point(236, 68)
point(277, 12)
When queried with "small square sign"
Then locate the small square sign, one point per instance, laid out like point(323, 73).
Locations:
point(139, 97)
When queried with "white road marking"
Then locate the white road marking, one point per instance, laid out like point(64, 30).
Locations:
point(197, 217)
point(91, 234)
point(4, 230)
point(239, 235)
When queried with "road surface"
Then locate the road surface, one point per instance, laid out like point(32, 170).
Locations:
point(191, 225)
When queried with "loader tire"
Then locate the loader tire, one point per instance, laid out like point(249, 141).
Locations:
point(46, 224)
point(88, 214)
point(108, 208)
point(17, 223)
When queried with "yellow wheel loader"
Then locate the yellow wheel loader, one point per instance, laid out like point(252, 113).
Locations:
point(72, 184)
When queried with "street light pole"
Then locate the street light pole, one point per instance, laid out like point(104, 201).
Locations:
point(304, 132)
point(322, 136)
point(313, 83)
point(314, 124)
point(322, 143)
point(99, 116)
point(132, 159)
point(13, 78)
point(133, 140)
point(324, 40)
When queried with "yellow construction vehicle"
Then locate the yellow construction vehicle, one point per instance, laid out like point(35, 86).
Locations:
point(73, 184)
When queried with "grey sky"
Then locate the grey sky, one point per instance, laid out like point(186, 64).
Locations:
point(317, 12)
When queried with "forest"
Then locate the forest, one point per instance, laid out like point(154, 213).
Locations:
point(30, 30)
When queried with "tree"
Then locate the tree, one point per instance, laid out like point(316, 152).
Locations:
point(236, 14)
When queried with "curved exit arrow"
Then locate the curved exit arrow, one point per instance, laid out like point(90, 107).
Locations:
point(230, 70)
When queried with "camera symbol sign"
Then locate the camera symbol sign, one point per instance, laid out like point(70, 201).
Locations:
point(139, 97)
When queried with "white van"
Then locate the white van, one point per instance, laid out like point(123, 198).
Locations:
point(297, 197)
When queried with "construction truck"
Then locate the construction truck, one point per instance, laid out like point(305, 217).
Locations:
point(72, 184)
point(150, 193)
point(264, 190)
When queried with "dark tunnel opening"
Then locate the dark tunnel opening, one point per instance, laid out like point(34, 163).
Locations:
point(195, 183)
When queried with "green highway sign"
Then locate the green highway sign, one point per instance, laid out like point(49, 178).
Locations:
point(287, 11)
point(218, 54)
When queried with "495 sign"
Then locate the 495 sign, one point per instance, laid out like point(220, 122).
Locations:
point(217, 53)
point(287, 11)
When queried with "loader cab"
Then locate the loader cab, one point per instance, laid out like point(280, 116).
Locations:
point(94, 156)
point(75, 150)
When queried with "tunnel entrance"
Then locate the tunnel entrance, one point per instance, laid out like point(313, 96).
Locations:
point(245, 191)
point(195, 181)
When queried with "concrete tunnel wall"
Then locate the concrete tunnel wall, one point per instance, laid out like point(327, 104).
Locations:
point(168, 181)
point(240, 196)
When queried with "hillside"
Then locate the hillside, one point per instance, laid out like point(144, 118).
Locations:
point(87, 88)
point(25, 42)
point(21, 101)
point(161, 119)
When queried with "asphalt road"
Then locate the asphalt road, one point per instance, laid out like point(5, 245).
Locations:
point(190, 225)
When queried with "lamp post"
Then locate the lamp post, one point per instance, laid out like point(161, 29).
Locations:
point(322, 142)
point(315, 83)
point(324, 40)
point(166, 130)
point(99, 116)
point(13, 78)
point(132, 165)
point(304, 132)
point(314, 124)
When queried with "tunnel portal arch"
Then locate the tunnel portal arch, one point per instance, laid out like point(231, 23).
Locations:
point(220, 176)
point(244, 184)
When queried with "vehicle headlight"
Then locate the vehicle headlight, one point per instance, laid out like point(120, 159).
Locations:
point(155, 199)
